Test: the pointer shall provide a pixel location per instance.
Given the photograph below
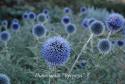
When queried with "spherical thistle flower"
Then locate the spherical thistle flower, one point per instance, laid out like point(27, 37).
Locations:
point(15, 26)
point(86, 22)
point(104, 46)
point(70, 28)
point(65, 20)
point(97, 28)
point(41, 17)
point(25, 15)
point(15, 20)
point(83, 10)
point(4, 23)
point(67, 10)
point(38, 30)
point(46, 11)
point(120, 43)
point(32, 15)
point(4, 79)
point(115, 22)
point(5, 36)
point(56, 51)
point(113, 42)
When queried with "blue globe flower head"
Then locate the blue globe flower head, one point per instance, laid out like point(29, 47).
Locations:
point(97, 28)
point(65, 20)
point(42, 17)
point(15, 26)
point(67, 10)
point(85, 23)
point(46, 11)
point(4, 79)
point(25, 15)
point(120, 43)
point(115, 22)
point(83, 10)
point(38, 30)
point(5, 36)
point(4, 23)
point(32, 15)
point(15, 20)
point(56, 51)
point(113, 42)
point(70, 28)
point(104, 46)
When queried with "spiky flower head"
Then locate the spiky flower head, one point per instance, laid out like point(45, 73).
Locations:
point(120, 43)
point(42, 17)
point(70, 28)
point(65, 20)
point(86, 22)
point(4, 23)
point(25, 15)
point(104, 46)
point(5, 36)
point(45, 11)
point(115, 22)
point(15, 25)
point(4, 79)
point(56, 51)
point(38, 30)
point(67, 10)
point(97, 28)
point(83, 10)
point(32, 15)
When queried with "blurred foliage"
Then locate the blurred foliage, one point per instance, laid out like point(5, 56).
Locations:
point(14, 8)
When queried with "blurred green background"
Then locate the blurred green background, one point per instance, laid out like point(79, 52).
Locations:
point(13, 8)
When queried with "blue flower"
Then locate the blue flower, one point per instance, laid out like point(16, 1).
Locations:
point(56, 51)
point(15, 26)
point(65, 20)
point(104, 46)
point(70, 28)
point(83, 10)
point(5, 36)
point(67, 10)
point(41, 17)
point(46, 11)
point(97, 28)
point(32, 15)
point(25, 15)
point(38, 30)
point(4, 23)
point(120, 43)
point(4, 79)
point(85, 23)
point(15, 20)
point(115, 22)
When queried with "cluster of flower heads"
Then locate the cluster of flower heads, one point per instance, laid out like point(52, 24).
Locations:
point(66, 20)
point(115, 22)
point(40, 17)
point(56, 50)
